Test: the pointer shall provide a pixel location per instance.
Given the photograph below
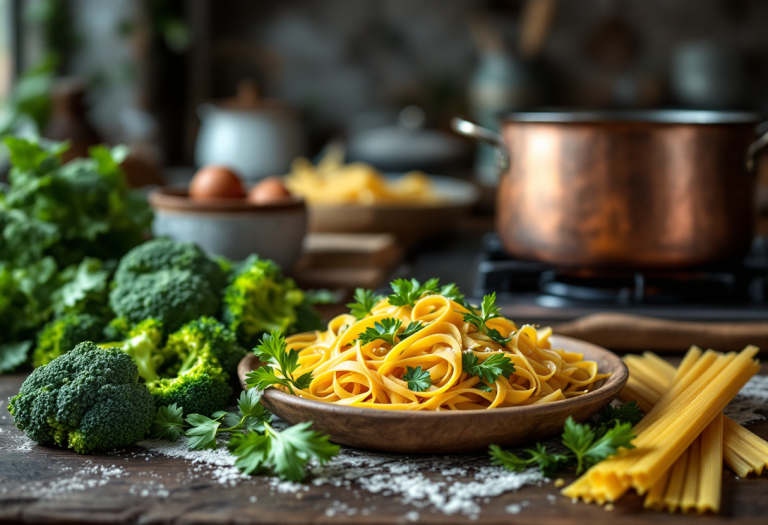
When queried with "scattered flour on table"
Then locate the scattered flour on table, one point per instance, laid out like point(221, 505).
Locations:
point(753, 397)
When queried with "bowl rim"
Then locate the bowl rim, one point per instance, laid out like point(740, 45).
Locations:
point(175, 197)
point(611, 387)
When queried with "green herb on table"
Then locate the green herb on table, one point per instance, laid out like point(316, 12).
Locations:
point(488, 311)
point(365, 300)
point(587, 444)
point(257, 445)
point(498, 364)
point(274, 353)
point(418, 380)
point(406, 293)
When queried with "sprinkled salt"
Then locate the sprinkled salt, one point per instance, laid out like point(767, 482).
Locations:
point(513, 509)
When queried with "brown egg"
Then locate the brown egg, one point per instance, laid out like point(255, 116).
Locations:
point(268, 191)
point(215, 183)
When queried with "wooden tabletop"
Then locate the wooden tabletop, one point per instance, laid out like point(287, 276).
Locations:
point(41, 484)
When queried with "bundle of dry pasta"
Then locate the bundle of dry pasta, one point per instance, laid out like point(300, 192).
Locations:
point(650, 376)
point(423, 350)
point(700, 389)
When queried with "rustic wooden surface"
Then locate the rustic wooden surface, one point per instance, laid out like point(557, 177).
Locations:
point(194, 496)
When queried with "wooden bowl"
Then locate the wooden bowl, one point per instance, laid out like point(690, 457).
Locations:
point(429, 432)
point(410, 223)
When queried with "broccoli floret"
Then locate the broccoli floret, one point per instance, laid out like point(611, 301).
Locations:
point(88, 399)
point(207, 336)
point(188, 369)
point(260, 299)
point(172, 297)
point(166, 254)
point(61, 335)
point(143, 344)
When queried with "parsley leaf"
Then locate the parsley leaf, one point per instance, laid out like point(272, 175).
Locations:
point(451, 291)
point(411, 329)
point(488, 311)
point(202, 433)
point(489, 370)
point(365, 300)
point(406, 292)
point(548, 463)
point(273, 350)
point(285, 453)
point(580, 439)
point(249, 402)
point(386, 330)
point(168, 423)
point(626, 413)
point(418, 380)
point(483, 387)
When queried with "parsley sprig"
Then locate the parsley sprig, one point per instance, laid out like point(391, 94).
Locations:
point(587, 444)
point(488, 311)
point(273, 352)
point(257, 445)
point(489, 370)
point(418, 380)
point(406, 293)
point(365, 300)
point(388, 330)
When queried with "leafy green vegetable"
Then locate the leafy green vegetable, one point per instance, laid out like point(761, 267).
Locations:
point(273, 351)
point(418, 380)
point(588, 449)
point(168, 423)
point(587, 444)
point(548, 463)
point(257, 446)
point(451, 291)
point(489, 370)
point(406, 293)
point(412, 328)
point(626, 413)
point(489, 311)
point(285, 453)
point(483, 387)
point(13, 354)
point(386, 330)
point(365, 300)
point(85, 289)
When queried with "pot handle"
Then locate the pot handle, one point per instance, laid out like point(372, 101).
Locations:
point(469, 129)
point(760, 143)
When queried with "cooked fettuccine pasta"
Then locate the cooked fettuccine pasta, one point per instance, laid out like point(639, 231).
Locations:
point(436, 353)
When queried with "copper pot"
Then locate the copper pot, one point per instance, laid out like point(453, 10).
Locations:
point(649, 189)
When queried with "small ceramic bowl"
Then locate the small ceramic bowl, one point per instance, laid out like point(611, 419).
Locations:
point(446, 432)
point(234, 229)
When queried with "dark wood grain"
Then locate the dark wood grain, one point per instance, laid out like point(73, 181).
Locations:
point(196, 497)
point(450, 432)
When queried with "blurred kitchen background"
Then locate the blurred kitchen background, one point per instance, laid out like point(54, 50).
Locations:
point(383, 78)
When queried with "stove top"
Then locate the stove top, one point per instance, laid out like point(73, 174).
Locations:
point(531, 291)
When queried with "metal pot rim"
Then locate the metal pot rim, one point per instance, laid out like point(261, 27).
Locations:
point(656, 116)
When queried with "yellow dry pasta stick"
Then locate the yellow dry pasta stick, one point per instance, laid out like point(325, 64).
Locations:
point(711, 470)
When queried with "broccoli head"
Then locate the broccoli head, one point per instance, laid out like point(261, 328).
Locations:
point(208, 337)
point(166, 254)
point(260, 299)
point(172, 297)
point(88, 399)
point(61, 335)
point(143, 344)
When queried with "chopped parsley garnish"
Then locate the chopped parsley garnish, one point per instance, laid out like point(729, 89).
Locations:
point(418, 380)
point(489, 370)
point(411, 329)
point(548, 463)
point(488, 311)
point(365, 300)
point(406, 293)
point(626, 413)
point(386, 330)
point(273, 352)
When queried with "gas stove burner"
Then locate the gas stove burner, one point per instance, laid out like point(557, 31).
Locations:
point(638, 287)
point(536, 291)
